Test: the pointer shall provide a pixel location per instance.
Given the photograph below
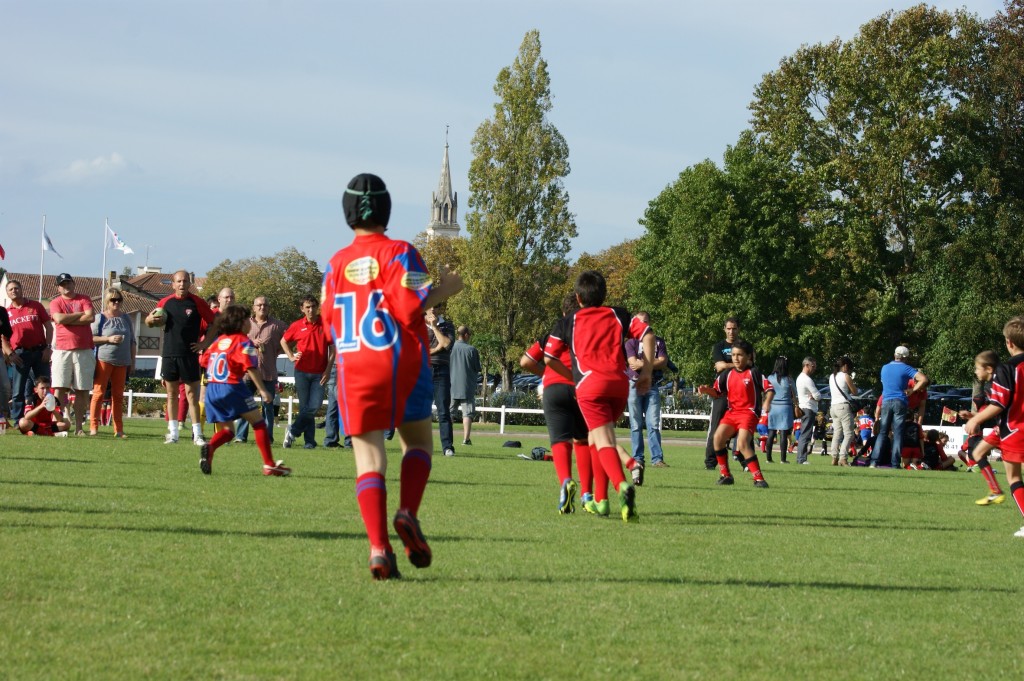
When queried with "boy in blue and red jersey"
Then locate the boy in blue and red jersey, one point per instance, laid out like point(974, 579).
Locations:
point(594, 335)
point(743, 385)
point(227, 361)
point(1006, 401)
point(985, 364)
point(374, 296)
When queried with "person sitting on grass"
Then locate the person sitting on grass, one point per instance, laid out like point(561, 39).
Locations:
point(230, 358)
point(43, 415)
point(1006, 401)
point(984, 369)
point(933, 451)
point(744, 386)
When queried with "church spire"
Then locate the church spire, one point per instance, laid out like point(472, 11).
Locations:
point(445, 203)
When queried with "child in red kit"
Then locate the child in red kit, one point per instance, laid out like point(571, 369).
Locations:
point(984, 369)
point(743, 385)
point(44, 416)
point(1006, 401)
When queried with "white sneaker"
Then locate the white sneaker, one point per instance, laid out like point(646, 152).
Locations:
point(170, 439)
point(64, 433)
point(449, 452)
point(198, 441)
point(288, 439)
point(1019, 533)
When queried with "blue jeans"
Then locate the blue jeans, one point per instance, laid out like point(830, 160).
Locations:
point(311, 394)
point(331, 429)
point(645, 408)
point(443, 401)
point(242, 426)
point(894, 413)
point(32, 367)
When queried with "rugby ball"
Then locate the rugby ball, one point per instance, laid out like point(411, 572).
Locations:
point(158, 316)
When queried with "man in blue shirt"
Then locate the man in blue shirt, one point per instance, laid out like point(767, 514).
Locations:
point(896, 376)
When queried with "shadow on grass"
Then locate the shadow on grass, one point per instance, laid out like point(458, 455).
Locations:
point(808, 521)
point(44, 483)
point(36, 459)
point(10, 508)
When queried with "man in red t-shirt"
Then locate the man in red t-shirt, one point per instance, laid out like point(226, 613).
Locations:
point(309, 347)
point(73, 364)
point(28, 350)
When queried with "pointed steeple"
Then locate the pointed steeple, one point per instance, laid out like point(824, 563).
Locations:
point(445, 203)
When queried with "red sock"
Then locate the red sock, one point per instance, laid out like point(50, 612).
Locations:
point(372, 495)
point(583, 468)
point(754, 467)
point(609, 457)
point(561, 452)
point(263, 442)
point(600, 477)
point(990, 477)
point(723, 461)
point(631, 464)
point(221, 437)
point(1017, 491)
point(415, 472)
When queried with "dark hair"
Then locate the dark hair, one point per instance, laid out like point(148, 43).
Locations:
point(366, 202)
point(591, 288)
point(734, 320)
point(569, 304)
point(781, 366)
point(43, 379)
point(310, 299)
point(934, 436)
point(987, 358)
point(745, 346)
point(840, 363)
point(212, 300)
point(232, 320)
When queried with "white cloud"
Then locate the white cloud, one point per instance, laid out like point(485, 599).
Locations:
point(84, 171)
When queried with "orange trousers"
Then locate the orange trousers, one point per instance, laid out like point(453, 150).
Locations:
point(116, 375)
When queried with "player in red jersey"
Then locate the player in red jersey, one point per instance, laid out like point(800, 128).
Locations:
point(1006, 401)
point(594, 335)
point(567, 430)
point(43, 414)
point(743, 385)
point(227, 361)
point(985, 364)
point(375, 292)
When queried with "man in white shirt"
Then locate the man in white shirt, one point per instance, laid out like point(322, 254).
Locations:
point(807, 396)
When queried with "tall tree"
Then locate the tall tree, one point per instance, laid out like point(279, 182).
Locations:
point(285, 278)
point(519, 222)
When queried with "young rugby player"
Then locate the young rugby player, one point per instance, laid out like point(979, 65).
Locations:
point(43, 415)
point(227, 361)
point(743, 385)
point(374, 297)
point(984, 368)
point(1006, 401)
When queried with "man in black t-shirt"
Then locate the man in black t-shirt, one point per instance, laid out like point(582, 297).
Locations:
point(721, 358)
point(441, 334)
point(185, 317)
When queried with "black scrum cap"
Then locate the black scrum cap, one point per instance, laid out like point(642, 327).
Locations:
point(366, 202)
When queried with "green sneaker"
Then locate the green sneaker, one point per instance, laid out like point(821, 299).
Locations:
point(567, 497)
point(597, 507)
point(627, 500)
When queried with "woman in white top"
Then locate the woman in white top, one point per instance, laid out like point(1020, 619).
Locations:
point(842, 410)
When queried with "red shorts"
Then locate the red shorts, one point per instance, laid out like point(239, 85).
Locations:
point(600, 409)
point(1012, 455)
point(740, 420)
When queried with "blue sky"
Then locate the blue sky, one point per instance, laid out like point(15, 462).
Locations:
point(228, 129)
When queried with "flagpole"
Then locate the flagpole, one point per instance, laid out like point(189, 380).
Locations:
point(42, 253)
point(103, 274)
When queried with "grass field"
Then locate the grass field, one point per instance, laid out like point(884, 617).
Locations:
point(120, 560)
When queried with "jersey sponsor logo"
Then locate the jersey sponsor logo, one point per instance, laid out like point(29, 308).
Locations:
point(188, 311)
point(416, 281)
point(362, 271)
point(224, 343)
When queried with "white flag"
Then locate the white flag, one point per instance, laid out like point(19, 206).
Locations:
point(115, 243)
point(48, 245)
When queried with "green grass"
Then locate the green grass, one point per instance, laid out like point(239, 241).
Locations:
point(121, 560)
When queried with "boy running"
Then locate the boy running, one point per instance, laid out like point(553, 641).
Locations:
point(374, 297)
point(743, 385)
point(984, 368)
point(228, 360)
point(1006, 401)
point(594, 335)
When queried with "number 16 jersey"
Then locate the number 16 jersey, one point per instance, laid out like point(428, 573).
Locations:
point(372, 304)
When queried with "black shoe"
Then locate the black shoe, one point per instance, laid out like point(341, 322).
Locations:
point(761, 483)
point(204, 460)
point(725, 480)
point(710, 466)
point(331, 444)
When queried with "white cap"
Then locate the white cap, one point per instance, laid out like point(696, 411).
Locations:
point(902, 352)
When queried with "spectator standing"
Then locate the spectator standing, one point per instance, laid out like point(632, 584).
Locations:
point(721, 358)
point(465, 374)
point(73, 363)
point(780, 416)
point(807, 397)
point(184, 318)
point(308, 347)
point(114, 337)
point(5, 381)
point(266, 333)
point(331, 429)
point(895, 376)
point(441, 333)
point(844, 428)
point(645, 408)
point(28, 350)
